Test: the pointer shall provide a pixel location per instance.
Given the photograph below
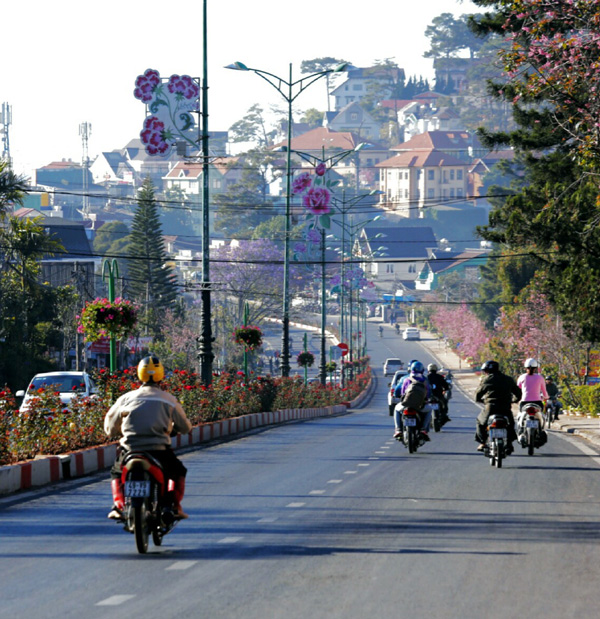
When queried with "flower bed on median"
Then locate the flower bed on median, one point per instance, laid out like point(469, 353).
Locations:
point(45, 429)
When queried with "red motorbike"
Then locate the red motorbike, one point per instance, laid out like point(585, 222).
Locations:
point(149, 499)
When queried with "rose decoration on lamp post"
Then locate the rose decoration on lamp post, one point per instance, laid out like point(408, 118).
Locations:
point(305, 359)
point(247, 336)
point(103, 318)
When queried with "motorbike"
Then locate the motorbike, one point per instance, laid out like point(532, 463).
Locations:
point(411, 435)
point(149, 509)
point(437, 413)
point(496, 447)
point(449, 380)
point(530, 428)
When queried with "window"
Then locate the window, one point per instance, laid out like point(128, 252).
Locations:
point(357, 87)
point(431, 193)
point(452, 192)
point(451, 175)
point(430, 175)
point(406, 194)
point(354, 116)
point(406, 175)
point(459, 175)
point(459, 192)
point(389, 268)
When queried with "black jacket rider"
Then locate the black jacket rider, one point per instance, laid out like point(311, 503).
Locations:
point(496, 391)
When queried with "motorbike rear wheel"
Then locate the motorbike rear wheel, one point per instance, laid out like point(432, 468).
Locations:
point(530, 442)
point(499, 449)
point(437, 426)
point(140, 525)
point(412, 441)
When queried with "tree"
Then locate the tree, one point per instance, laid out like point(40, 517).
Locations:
point(108, 236)
point(448, 36)
point(322, 64)
point(12, 188)
point(313, 118)
point(252, 128)
point(250, 272)
point(151, 279)
point(553, 213)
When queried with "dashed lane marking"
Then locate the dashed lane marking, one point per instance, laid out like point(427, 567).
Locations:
point(229, 540)
point(334, 481)
point(295, 504)
point(317, 492)
point(115, 600)
point(182, 565)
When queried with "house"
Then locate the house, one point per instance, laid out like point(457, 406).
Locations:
point(73, 266)
point(466, 263)
point(355, 119)
point(403, 254)
point(483, 166)
point(411, 181)
point(359, 81)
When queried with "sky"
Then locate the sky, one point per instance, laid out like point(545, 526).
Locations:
point(67, 62)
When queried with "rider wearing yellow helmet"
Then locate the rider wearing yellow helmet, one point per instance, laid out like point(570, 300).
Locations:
point(146, 418)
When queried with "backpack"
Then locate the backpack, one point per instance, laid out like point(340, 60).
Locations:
point(416, 395)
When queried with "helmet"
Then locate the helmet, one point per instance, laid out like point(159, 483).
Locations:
point(549, 378)
point(531, 363)
point(150, 369)
point(490, 366)
point(432, 367)
point(416, 367)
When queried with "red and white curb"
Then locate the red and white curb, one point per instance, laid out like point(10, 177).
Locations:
point(51, 469)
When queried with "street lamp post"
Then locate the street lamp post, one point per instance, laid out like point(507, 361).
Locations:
point(289, 90)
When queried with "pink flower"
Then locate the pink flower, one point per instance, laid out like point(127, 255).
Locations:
point(317, 201)
point(320, 169)
point(301, 183)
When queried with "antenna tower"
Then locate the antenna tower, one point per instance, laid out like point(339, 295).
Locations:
point(5, 122)
point(85, 130)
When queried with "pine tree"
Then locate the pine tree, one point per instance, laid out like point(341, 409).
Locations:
point(151, 283)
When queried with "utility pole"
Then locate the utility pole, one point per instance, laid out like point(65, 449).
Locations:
point(85, 130)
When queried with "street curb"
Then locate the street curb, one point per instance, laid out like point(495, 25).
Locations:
point(44, 470)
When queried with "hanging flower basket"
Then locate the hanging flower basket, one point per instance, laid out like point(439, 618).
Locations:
point(249, 337)
point(305, 359)
point(330, 367)
point(101, 318)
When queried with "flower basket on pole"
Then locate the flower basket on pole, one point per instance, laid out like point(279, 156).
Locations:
point(249, 337)
point(103, 318)
point(305, 359)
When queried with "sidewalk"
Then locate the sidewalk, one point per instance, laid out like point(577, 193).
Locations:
point(467, 380)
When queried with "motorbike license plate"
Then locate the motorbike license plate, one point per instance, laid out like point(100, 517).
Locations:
point(137, 488)
point(498, 433)
point(434, 406)
point(410, 421)
point(532, 423)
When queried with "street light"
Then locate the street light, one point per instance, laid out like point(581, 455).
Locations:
point(289, 90)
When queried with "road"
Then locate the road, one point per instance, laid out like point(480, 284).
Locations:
point(325, 518)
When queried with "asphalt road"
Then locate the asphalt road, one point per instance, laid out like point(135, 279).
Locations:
point(326, 518)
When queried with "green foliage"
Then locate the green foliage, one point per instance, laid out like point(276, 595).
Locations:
point(13, 188)
point(108, 237)
point(585, 398)
point(151, 281)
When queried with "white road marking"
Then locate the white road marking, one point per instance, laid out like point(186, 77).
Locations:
point(229, 540)
point(317, 492)
point(364, 464)
point(296, 505)
point(373, 458)
point(334, 481)
point(380, 453)
point(582, 447)
point(350, 472)
point(266, 520)
point(115, 600)
point(182, 565)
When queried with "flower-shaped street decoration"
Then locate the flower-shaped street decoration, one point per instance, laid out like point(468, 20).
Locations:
point(305, 359)
point(249, 337)
point(170, 104)
point(101, 318)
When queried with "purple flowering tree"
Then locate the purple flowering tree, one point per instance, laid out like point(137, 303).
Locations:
point(170, 105)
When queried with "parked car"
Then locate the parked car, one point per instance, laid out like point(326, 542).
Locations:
point(392, 365)
point(68, 384)
point(411, 333)
point(392, 399)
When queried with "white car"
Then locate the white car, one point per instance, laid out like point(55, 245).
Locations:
point(392, 399)
point(390, 366)
point(411, 333)
point(68, 384)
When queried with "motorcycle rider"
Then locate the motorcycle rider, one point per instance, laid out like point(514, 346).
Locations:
point(416, 373)
point(146, 418)
point(552, 390)
point(439, 387)
point(534, 391)
point(380, 331)
point(495, 391)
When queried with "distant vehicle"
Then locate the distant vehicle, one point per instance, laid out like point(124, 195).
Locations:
point(392, 399)
point(411, 333)
point(391, 365)
point(68, 384)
